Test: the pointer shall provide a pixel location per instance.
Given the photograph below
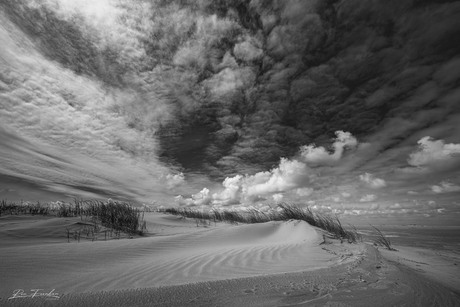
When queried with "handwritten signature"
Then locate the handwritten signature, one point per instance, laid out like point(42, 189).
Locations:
point(19, 293)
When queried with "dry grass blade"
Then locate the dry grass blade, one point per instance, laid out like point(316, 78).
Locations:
point(111, 214)
point(286, 212)
point(382, 240)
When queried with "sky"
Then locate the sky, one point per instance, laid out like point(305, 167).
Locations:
point(349, 107)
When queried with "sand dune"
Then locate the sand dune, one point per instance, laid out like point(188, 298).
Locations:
point(438, 265)
point(201, 255)
point(269, 264)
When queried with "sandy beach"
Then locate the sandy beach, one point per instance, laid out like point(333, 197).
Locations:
point(253, 134)
point(181, 264)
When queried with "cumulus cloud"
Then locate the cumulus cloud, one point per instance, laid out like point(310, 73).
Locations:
point(316, 156)
point(232, 191)
point(155, 88)
point(395, 206)
point(230, 80)
point(434, 152)
point(202, 198)
point(334, 198)
point(291, 176)
point(371, 181)
point(346, 194)
point(247, 51)
point(288, 175)
point(374, 207)
point(445, 187)
point(368, 198)
point(174, 180)
point(303, 192)
point(277, 198)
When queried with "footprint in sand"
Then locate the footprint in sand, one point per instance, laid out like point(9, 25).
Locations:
point(250, 291)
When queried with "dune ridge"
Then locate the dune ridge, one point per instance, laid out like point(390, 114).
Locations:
point(180, 264)
point(204, 254)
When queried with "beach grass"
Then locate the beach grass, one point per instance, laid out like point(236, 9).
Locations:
point(13, 208)
point(284, 212)
point(382, 240)
point(119, 216)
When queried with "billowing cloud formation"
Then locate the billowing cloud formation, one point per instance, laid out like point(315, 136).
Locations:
point(304, 191)
point(368, 198)
point(291, 175)
point(320, 156)
point(445, 187)
point(69, 134)
point(371, 181)
point(175, 180)
point(232, 190)
point(278, 198)
point(144, 91)
point(434, 152)
point(288, 175)
point(202, 198)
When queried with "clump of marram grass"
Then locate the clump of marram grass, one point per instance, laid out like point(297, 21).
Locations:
point(320, 220)
point(285, 212)
point(382, 240)
point(112, 214)
point(6, 207)
point(13, 208)
point(25, 207)
point(119, 216)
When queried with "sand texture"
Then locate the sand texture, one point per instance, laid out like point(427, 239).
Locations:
point(180, 264)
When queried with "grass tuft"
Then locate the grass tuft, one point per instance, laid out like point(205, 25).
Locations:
point(118, 216)
point(285, 212)
point(382, 240)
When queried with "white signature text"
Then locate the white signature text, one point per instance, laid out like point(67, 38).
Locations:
point(20, 293)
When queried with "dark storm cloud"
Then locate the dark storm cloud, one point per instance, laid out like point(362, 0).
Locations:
point(226, 88)
point(301, 70)
point(262, 78)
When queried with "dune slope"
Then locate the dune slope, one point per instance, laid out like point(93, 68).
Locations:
point(203, 254)
point(180, 264)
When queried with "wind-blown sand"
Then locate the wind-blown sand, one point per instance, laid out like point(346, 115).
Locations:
point(180, 264)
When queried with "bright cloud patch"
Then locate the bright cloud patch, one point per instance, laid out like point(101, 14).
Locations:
point(174, 180)
point(294, 176)
point(445, 187)
point(432, 151)
point(368, 198)
point(304, 191)
point(277, 198)
point(315, 156)
point(232, 191)
point(287, 176)
point(371, 181)
point(119, 97)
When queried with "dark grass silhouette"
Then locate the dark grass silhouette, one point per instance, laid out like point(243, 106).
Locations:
point(119, 216)
point(23, 208)
point(382, 240)
point(286, 212)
